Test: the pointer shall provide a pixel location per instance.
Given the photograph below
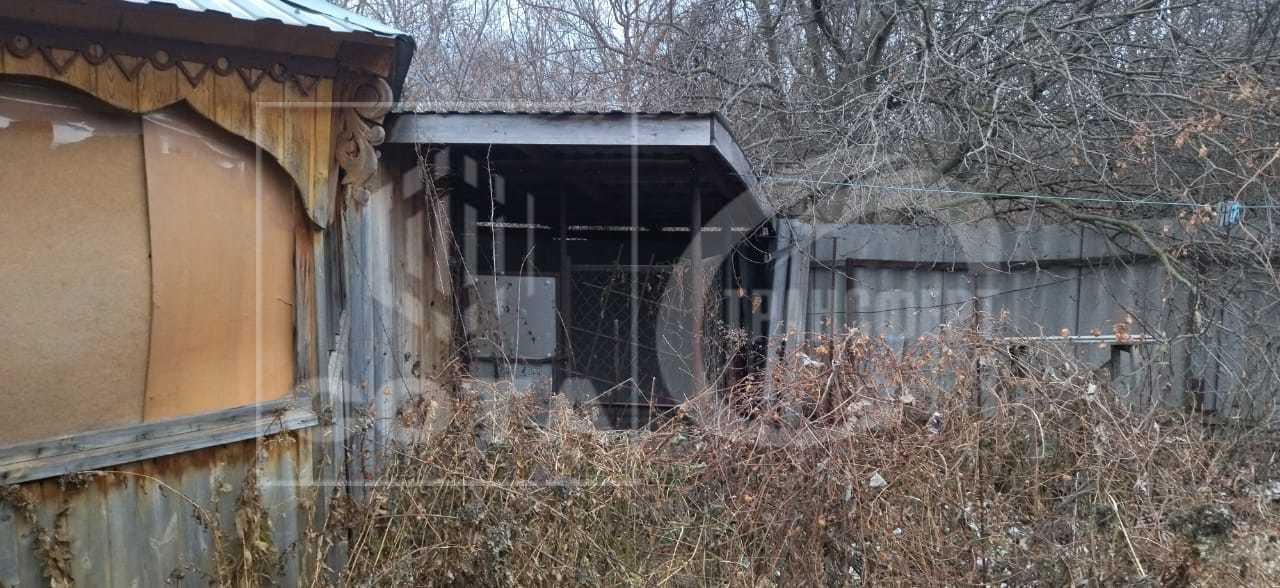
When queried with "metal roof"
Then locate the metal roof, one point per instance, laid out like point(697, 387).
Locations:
point(301, 13)
point(614, 128)
point(417, 109)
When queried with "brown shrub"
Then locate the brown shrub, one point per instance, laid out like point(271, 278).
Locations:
point(923, 468)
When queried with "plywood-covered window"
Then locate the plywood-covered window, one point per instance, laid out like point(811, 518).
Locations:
point(146, 266)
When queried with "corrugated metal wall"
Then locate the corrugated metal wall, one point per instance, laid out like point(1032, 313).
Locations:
point(138, 524)
point(902, 282)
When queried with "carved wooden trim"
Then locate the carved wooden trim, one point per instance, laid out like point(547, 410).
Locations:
point(60, 47)
point(300, 109)
point(365, 102)
point(285, 104)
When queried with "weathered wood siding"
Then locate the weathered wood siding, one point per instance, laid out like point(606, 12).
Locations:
point(397, 298)
point(371, 330)
point(902, 283)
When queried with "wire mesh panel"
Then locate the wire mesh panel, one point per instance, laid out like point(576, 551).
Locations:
point(622, 365)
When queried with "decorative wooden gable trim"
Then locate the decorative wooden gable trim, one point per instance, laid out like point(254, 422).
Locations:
point(285, 104)
point(366, 101)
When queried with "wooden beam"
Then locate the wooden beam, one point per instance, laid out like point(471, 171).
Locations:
point(99, 449)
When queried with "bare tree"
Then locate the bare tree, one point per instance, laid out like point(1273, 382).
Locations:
point(1109, 112)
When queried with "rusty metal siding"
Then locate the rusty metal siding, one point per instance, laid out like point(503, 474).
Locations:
point(136, 524)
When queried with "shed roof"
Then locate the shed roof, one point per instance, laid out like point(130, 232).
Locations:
point(602, 129)
point(655, 159)
point(302, 13)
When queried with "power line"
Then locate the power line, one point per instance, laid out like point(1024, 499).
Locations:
point(961, 302)
point(1011, 195)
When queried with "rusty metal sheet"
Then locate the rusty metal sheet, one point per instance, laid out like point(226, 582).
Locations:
point(136, 525)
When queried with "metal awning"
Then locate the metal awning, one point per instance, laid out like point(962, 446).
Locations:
point(638, 134)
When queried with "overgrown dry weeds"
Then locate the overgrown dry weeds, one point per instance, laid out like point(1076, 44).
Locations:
point(879, 471)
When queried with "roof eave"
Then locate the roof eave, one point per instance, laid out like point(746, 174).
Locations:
point(574, 129)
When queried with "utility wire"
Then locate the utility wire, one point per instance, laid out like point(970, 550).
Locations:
point(1011, 195)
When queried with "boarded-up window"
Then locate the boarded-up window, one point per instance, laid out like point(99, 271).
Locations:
point(147, 270)
point(75, 282)
point(222, 269)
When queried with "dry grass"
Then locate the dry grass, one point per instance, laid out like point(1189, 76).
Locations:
point(838, 477)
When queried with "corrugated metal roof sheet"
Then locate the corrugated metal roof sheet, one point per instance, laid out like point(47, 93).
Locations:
point(406, 109)
point(601, 128)
point(302, 13)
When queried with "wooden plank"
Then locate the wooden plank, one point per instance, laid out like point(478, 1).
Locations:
point(200, 96)
point(12, 551)
point(305, 360)
point(323, 177)
point(76, 72)
point(777, 300)
point(387, 384)
point(97, 450)
point(116, 89)
point(232, 107)
point(296, 146)
point(231, 463)
point(269, 117)
point(279, 486)
point(91, 440)
point(439, 347)
point(360, 375)
point(731, 153)
point(297, 135)
point(331, 443)
point(157, 89)
point(331, 344)
point(31, 65)
point(197, 552)
point(147, 527)
point(698, 285)
point(119, 513)
point(408, 298)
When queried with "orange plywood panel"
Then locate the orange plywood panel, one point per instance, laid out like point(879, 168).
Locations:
point(74, 269)
point(223, 269)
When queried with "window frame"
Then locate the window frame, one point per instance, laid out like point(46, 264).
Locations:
point(298, 409)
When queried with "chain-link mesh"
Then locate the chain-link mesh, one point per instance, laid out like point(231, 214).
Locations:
point(602, 345)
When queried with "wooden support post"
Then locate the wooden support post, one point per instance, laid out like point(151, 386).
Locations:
point(831, 302)
point(699, 285)
point(564, 290)
point(634, 332)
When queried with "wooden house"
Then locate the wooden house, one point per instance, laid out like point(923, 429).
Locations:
point(229, 270)
point(183, 186)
